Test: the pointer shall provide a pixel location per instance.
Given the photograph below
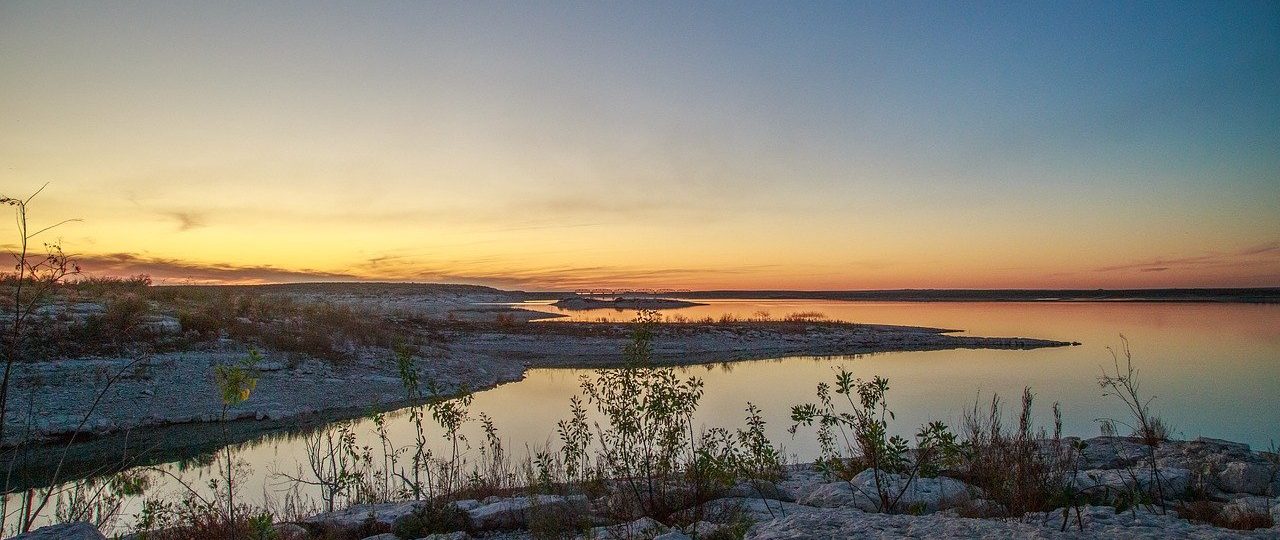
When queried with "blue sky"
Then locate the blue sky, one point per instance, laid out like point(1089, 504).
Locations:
point(815, 145)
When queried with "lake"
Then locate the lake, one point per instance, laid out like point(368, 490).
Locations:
point(1214, 369)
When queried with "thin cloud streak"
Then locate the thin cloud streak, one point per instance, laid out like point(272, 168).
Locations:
point(173, 271)
point(1262, 254)
point(398, 268)
point(187, 220)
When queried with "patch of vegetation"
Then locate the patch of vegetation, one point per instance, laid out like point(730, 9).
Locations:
point(433, 516)
point(858, 439)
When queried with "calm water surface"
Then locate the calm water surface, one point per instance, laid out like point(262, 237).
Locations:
point(1215, 369)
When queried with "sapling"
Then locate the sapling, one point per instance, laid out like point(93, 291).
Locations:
point(1123, 384)
point(235, 383)
point(864, 433)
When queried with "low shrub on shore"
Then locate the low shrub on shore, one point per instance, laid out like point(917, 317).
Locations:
point(1216, 514)
point(96, 316)
point(1024, 469)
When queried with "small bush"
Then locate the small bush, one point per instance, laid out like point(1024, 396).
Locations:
point(1215, 513)
point(201, 322)
point(123, 315)
point(861, 437)
point(191, 518)
point(559, 522)
point(1024, 469)
point(805, 316)
point(434, 516)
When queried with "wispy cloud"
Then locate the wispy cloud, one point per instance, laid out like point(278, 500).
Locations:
point(1261, 254)
point(187, 220)
point(164, 270)
point(484, 271)
point(1260, 249)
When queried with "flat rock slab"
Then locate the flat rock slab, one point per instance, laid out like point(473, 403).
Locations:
point(65, 531)
point(1099, 522)
point(925, 495)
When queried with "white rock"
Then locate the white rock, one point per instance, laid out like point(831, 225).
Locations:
point(1173, 480)
point(1112, 452)
point(702, 528)
point(1245, 477)
point(290, 531)
point(270, 365)
point(457, 535)
point(66, 531)
point(354, 517)
point(1247, 505)
point(1099, 522)
point(922, 494)
point(731, 508)
point(762, 489)
point(645, 527)
point(513, 513)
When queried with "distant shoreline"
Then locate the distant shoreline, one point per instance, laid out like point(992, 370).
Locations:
point(1248, 295)
point(582, 303)
point(1260, 295)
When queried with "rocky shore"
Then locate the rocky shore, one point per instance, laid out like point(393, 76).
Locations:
point(806, 504)
point(153, 390)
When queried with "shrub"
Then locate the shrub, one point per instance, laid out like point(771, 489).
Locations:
point(433, 516)
point(1023, 469)
point(194, 518)
point(123, 315)
point(1124, 385)
point(867, 443)
point(647, 440)
point(1216, 514)
point(804, 316)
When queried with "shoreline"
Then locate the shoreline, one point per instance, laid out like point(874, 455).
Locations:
point(174, 392)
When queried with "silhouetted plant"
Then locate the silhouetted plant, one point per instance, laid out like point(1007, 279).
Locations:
point(235, 383)
point(33, 280)
point(1123, 384)
point(866, 442)
point(648, 411)
point(1023, 469)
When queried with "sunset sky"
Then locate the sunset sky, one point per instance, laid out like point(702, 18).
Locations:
point(540, 145)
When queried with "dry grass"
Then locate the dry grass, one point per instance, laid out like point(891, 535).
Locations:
point(112, 316)
point(1022, 468)
point(805, 317)
point(1215, 513)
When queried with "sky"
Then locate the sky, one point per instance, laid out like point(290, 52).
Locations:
point(703, 145)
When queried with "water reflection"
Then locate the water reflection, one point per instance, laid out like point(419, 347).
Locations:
point(1214, 367)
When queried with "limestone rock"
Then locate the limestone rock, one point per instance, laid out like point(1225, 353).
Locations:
point(456, 535)
point(1252, 504)
point(920, 494)
point(762, 489)
point(1173, 480)
point(1244, 477)
point(514, 513)
point(65, 531)
point(290, 531)
point(355, 517)
point(644, 527)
